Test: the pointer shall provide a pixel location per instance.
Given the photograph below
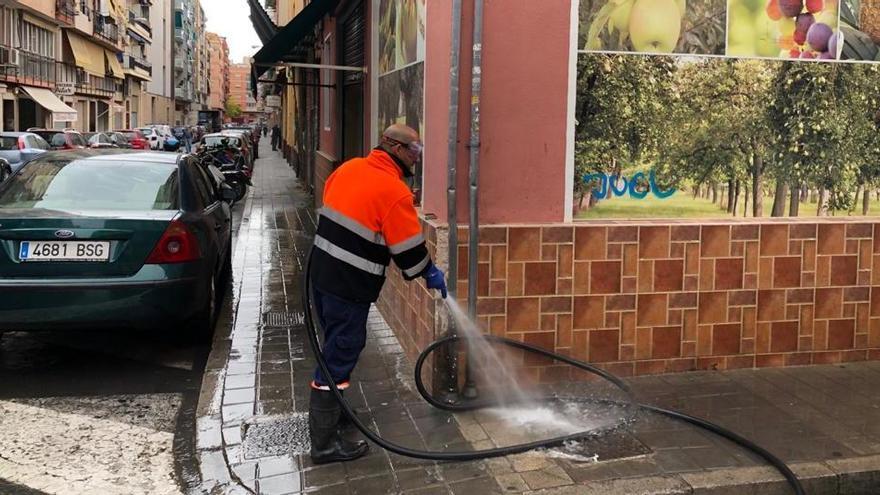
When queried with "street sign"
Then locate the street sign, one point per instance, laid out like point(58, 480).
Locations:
point(63, 88)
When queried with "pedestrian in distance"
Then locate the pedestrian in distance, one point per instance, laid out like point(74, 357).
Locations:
point(368, 219)
point(187, 139)
point(276, 137)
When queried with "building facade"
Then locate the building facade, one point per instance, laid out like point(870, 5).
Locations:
point(60, 64)
point(157, 104)
point(240, 90)
point(218, 52)
point(191, 61)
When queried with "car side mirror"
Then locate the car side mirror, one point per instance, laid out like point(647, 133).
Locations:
point(227, 194)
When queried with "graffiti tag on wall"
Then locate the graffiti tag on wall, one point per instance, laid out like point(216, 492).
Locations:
point(638, 186)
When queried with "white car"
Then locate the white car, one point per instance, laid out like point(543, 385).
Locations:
point(154, 137)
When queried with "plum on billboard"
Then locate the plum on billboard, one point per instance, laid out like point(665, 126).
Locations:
point(678, 136)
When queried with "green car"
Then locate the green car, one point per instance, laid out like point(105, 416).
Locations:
point(113, 239)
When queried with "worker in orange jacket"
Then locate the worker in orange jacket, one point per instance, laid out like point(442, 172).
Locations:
point(368, 219)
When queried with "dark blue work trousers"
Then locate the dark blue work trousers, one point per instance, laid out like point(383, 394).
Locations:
point(345, 334)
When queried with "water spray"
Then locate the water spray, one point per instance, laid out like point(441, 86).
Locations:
point(629, 404)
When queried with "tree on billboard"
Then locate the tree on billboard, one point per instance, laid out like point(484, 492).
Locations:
point(621, 100)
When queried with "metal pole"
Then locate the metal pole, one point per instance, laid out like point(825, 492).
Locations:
point(450, 392)
point(470, 389)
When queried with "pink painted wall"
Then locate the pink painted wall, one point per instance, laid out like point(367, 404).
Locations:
point(524, 114)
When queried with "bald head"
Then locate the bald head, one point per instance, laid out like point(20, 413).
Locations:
point(401, 133)
point(402, 142)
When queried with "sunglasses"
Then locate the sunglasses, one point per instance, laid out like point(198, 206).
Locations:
point(415, 146)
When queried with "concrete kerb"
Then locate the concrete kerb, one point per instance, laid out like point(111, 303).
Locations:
point(212, 438)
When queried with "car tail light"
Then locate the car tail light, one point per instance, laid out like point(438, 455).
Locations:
point(177, 245)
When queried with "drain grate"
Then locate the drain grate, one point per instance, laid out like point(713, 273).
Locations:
point(289, 435)
point(283, 319)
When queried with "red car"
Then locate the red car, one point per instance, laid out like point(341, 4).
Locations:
point(136, 138)
point(62, 140)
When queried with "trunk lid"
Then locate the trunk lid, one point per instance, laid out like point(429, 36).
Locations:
point(131, 234)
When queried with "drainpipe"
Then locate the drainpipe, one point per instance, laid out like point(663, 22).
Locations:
point(450, 387)
point(470, 389)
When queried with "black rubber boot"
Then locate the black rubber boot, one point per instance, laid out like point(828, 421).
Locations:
point(327, 445)
point(345, 423)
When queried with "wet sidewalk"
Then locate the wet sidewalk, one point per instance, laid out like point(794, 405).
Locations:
point(252, 428)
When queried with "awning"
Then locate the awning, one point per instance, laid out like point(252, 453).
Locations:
point(113, 65)
point(61, 112)
point(263, 25)
point(283, 45)
point(87, 55)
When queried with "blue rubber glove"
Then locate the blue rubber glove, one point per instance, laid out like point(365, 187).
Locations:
point(435, 279)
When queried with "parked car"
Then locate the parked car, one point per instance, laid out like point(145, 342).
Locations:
point(244, 143)
point(119, 139)
point(153, 136)
point(98, 140)
point(62, 139)
point(135, 137)
point(17, 148)
point(112, 238)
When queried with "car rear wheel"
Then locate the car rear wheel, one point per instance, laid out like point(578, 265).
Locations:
point(4, 173)
point(201, 328)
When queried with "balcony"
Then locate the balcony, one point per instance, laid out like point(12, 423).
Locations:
point(65, 11)
point(139, 19)
point(185, 94)
point(26, 68)
point(84, 82)
point(137, 63)
point(105, 30)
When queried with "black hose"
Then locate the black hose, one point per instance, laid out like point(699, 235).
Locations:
point(313, 328)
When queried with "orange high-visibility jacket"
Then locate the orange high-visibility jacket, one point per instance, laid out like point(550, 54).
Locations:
point(368, 219)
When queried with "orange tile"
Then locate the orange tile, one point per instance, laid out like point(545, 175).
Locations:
point(769, 360)
point(841, 334)
point(493, 235)
point(666, 342)
point(823, 271)
point(743, 298)
point(497, 288)
point(749, 320)
point(630, 260)
point(844, 270)
point(498, 257)
point(865, 256)
point(626, 233)
point(691, 282)
point(628, 327)
point(745, 232)
point(605, 277)
point(829, 303)
point(771, 305)
point(712, 307)
point(832, 238)
point(589, 312)
point(802, 231)
point(809, 256)
point(747, 346)
point(762, 338)
point(675, 317)
point(565, 260)
point(484, 253)
point(737, 249)
point(820, 335)
point(692, 259)
point(557, 235)
point(621, 302)
point(783, 336)
point(525, 244)
point(707, 274)
point(581, 278)
point(800, 296)
point(685, 233)
point(522, 314)
point(540, 279)
point(668, 275)
point(612, 320)
point(750, 281)
point(774, 239)
point(795, 247)
point(653, 242)
point(563, 286)
point(549, 252)
point(726, 339)
point(854, 355)
point(627, 352)
point(646, 276)
point(765, 273)
point(614, 252)
point(676, 250)
point(515, 278)
point(715, 241)
point(752, 257)
point(826, 357)
point(589, 243)
point(863, 316)
point(548, 323)
point(629, 285)
point(852, 246)
point(728, 273)
point(786, 271)
point(856, 294)
point(704, 340)
point(643, 342)
point(652, 309)
point(688, 349)
point(740, 362)
point(805, 343)
point(604, 345)
point(874, 333)
point(683, 300)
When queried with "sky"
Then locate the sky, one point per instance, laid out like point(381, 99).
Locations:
point(231, 19)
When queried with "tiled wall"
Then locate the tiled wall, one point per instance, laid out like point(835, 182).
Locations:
point(655, 297)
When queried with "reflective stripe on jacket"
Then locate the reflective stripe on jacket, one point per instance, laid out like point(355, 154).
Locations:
point(367, 220)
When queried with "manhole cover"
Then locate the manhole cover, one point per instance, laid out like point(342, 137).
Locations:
point(283, 319)
point(288, 435)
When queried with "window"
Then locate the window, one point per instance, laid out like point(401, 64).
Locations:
point(92, 184)
point(8, 29)
point(8, 143)
point(37, 40)
point(325, 79)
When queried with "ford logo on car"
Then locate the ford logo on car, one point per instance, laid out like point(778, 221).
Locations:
point(64, 234)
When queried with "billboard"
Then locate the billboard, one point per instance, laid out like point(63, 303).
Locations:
point(725, 110)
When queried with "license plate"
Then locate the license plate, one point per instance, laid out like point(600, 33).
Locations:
point(64, 251)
